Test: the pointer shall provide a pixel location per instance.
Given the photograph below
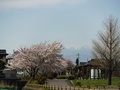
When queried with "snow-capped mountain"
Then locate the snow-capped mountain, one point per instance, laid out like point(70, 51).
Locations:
point(72, 53)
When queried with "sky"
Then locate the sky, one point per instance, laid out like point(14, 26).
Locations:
point(75, 23)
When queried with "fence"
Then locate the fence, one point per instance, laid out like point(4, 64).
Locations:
point(54, 87)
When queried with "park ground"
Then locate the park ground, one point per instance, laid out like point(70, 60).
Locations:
point(86, 83)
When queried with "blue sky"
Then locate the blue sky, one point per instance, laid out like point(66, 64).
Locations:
point(73, 22)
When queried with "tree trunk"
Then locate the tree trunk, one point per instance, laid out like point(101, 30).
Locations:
point(110, 77)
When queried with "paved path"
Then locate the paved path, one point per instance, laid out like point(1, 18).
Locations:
point(59, 82)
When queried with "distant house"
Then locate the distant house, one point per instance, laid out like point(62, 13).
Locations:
point(88, 70)
point(3, 55)
point(92, 70)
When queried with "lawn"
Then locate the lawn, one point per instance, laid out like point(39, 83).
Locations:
point(33, 87)
point(115, 81)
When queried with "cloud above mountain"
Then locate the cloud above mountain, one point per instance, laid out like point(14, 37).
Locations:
point(34, 3)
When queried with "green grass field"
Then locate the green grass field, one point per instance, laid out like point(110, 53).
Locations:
point(115, 81)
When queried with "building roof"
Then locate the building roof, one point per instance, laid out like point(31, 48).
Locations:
point(83, 63)
point(3, 52)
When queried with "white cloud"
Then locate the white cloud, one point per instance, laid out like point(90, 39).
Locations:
point(34, 3)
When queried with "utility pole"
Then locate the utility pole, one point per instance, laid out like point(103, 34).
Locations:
point(78, 56)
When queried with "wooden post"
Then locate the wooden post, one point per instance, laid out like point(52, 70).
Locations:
point(90, 72)
point(54, 87)
point(51, 87)
point(74, 88)
point(98, 73)
point(119, 87)
point(65, 87)
point(88, 86)
point(58, 87)
point(44, 86)
point(70, 88)
point(94, 73)
point(61, 88)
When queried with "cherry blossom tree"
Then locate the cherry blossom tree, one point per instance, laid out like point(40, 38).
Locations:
point(69, 65)
point(39, 59)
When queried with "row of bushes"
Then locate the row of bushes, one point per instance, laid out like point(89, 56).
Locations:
point(71, 77)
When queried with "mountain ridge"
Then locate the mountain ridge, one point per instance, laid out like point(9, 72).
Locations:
point(71, 53)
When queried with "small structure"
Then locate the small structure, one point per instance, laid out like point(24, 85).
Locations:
point(9, 73)
point(3, 55)
point(6, 75)
point(92, 70)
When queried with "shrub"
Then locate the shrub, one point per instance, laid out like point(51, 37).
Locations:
point(42, 79)
point(34, 81)
point(78, 83)
point(62, 77)
point(5, 86)
point(52, 76)
point(71, 77)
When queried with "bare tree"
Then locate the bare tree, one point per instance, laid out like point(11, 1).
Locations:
point(38, 59)
point(107, 49)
